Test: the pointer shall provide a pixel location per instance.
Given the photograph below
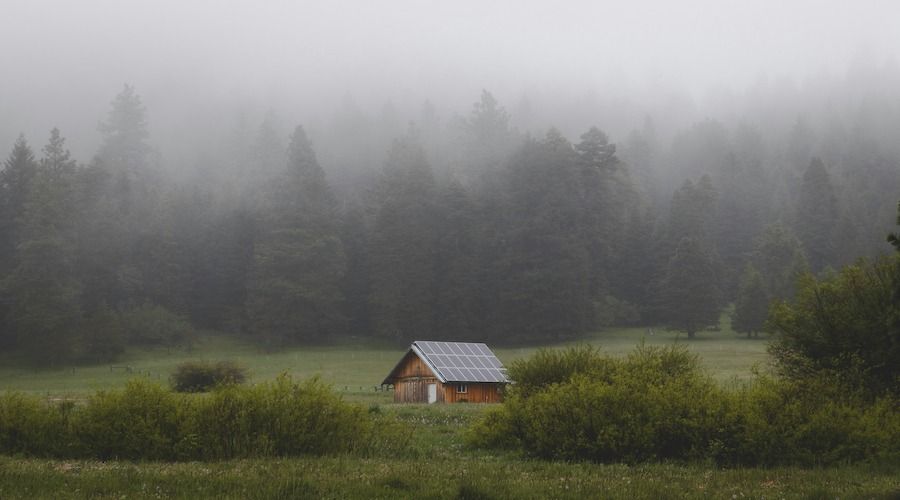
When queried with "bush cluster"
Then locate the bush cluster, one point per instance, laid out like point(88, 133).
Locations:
point(145, 421)
point(657, 404)
point(201, 376)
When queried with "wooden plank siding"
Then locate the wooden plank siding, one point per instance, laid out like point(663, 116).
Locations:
point(412, 377)
point(475, 393)
point(413, 366)
point(415, 390)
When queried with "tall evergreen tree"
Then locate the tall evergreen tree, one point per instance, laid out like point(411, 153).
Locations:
point(298, 261)
point(16, 178)
point(45, 309)
point(752, 305)
point(778, 255)
point(690, 289)
point(124, 147)
point(403, 244)
point(458, 310)
point(817, 216)
point(543, 268)
point(356, 283)
point(486, 139)
point(57, 160)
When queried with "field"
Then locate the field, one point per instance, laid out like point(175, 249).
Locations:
point(438, 465)
point(353, 366)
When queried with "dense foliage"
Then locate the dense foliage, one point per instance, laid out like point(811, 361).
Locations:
point(656, 404)
point(202, 376)
point(460, 230)
point(845, 326)
point(147, 422)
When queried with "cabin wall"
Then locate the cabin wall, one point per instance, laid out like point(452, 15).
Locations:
point(413, 366)
point(476, 393)
point(415, 390)
point(412, 377)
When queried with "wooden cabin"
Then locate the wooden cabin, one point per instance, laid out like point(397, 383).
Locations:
point(448, 372)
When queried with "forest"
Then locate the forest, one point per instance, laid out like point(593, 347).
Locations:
point(477, 224)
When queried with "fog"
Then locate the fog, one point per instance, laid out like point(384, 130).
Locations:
point(506, 171)
point(199, 65)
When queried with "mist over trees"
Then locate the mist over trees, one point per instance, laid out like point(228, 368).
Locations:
point(476, 225)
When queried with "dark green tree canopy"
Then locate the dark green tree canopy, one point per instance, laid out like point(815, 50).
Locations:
point(752, 305)
point(843, 326)
point(817, 215)
point(690, 290)
point(125, 133)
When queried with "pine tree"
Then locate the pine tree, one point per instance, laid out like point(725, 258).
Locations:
point(16, 181)
point(298, 262)
point(752, 305)
point(124, 148)
point(45, 309)
point(458, 304)
point(690, 292)
point(403, 244)
point(486, 139)
point(817, 216)
point(778, 255)
point(57, 160)
point(543, 264)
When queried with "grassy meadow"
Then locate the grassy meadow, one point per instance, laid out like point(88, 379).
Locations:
point(353, 366)
point(438, 464)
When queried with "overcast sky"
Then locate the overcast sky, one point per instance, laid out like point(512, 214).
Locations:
point(63, 61)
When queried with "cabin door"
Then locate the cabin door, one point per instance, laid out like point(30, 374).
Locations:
point(432, 393)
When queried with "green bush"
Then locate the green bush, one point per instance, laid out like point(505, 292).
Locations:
point(657, 404)
point(140, 422)
point(145, 421)
point(552, 366)
point(280, 418)
point(29, 426)
point(201, 376)
point(846, 325)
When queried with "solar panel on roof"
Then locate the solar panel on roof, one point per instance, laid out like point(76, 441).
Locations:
point(463, 362)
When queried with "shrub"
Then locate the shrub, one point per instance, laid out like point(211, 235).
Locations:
point(140, 422)
point(279, 418)
point(201, 376)
point(656, 404)
point(847, 324)
point(29, 426)
point(552, 366)
point(145, 421)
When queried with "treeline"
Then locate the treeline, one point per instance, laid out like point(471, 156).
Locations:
point(484, 233)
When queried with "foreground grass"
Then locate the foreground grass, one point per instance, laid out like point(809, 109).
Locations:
point(437, 466)
point(477, 477)
point(354, 366)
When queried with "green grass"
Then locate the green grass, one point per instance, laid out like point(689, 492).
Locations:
point(478, 477)
point(438, 464)
point(354, 366)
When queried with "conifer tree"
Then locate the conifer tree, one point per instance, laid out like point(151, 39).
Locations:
point(779, 258)
point(124, 147)
point(690, 289)
point(752, 305)
point(403, 244)
point(543, 265)
point(16, 178)
point(817, 216)
point(298, 260)
point(45, 309)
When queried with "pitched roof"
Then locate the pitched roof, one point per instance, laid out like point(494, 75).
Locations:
point(457, 362)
